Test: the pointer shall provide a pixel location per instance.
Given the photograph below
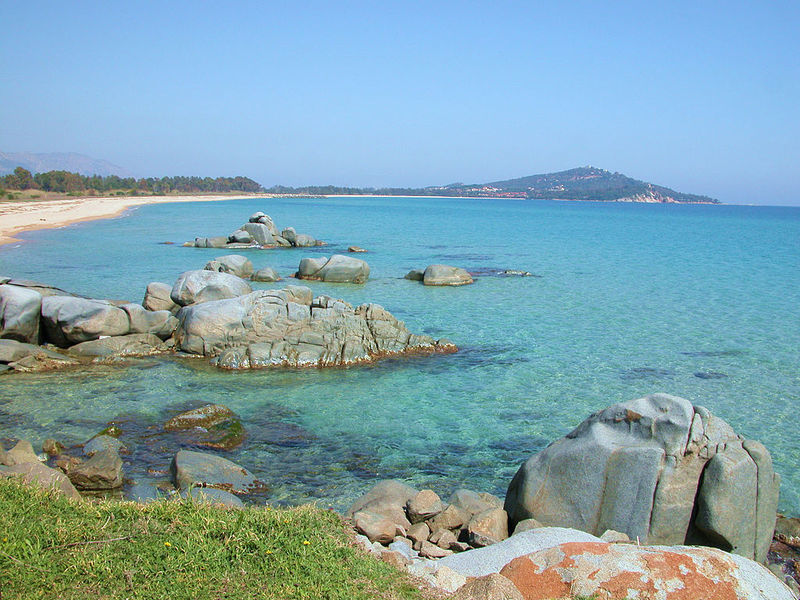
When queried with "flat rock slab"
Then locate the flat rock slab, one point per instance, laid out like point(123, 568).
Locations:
point(208, 470)
point(483, 561)
point(621, 571)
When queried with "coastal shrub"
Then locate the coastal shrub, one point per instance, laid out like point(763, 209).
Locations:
point(53, 547)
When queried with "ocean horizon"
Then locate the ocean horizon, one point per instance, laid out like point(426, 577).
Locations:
point(624, 300)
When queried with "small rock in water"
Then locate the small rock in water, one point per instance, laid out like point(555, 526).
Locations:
point(646, 373)
point(710, 375)
point(356, 249)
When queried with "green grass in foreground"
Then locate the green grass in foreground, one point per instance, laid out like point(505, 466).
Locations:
point(51, 547)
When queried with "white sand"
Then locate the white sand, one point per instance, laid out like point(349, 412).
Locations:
point(48, 214)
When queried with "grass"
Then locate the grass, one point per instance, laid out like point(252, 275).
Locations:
point(55, 548)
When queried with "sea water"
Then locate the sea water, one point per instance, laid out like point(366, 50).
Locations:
point(625, 300)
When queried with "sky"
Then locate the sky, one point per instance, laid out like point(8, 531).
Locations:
point(699, 96)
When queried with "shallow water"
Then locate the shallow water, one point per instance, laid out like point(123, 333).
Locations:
point(697, 301)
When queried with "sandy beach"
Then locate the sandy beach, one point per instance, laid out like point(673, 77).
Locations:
point(16, 217)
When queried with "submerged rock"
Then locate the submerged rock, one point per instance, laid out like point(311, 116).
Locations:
point(657, 469)
point(208, 470)
point(212, 426)
point(289, 328)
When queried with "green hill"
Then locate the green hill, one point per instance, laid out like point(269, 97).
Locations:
point(584, 183)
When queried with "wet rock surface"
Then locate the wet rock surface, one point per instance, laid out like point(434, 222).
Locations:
point(210, 426)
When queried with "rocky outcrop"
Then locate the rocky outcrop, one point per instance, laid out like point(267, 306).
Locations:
point(20, 310)
point(208, 470)
point(660, 471)
point(259, 232)
point(621, 571)
point(195, 287)
point(234, 264)
point(290, 328)
point(336, 269)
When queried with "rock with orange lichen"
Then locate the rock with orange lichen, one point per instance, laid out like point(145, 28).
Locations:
point(620, 571)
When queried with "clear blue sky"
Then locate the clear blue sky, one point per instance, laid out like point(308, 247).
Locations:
point(700, 96)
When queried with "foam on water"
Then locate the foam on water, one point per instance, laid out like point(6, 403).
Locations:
point(631, 299)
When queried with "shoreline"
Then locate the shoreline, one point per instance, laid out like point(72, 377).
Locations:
point(20, 216)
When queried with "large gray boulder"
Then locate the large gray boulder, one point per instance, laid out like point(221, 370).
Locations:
point(289, 328)
point(260, 233)
point(445, 275)
point(20, 311)
point(235, 264)
point(195, 287)
point(68, 320)
point(157, 297)
point(657, 469)
point(208, 470)
point(337, 269)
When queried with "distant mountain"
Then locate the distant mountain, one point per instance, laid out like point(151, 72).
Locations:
point(59, 161)
point(583, 183)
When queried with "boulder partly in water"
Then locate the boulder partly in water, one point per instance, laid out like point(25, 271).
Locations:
point(290, 328)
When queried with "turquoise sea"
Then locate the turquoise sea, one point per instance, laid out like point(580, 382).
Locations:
point(626, 299)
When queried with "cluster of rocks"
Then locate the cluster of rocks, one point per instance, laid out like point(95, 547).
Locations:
point(96, 466)
point(440, 275)
point(259, 232)
point(240, 266)
point(98, 470)
point(37, 321)
point(393, 513)
point(211, 312)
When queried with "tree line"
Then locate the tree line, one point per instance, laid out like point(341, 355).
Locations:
point(74, 183)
